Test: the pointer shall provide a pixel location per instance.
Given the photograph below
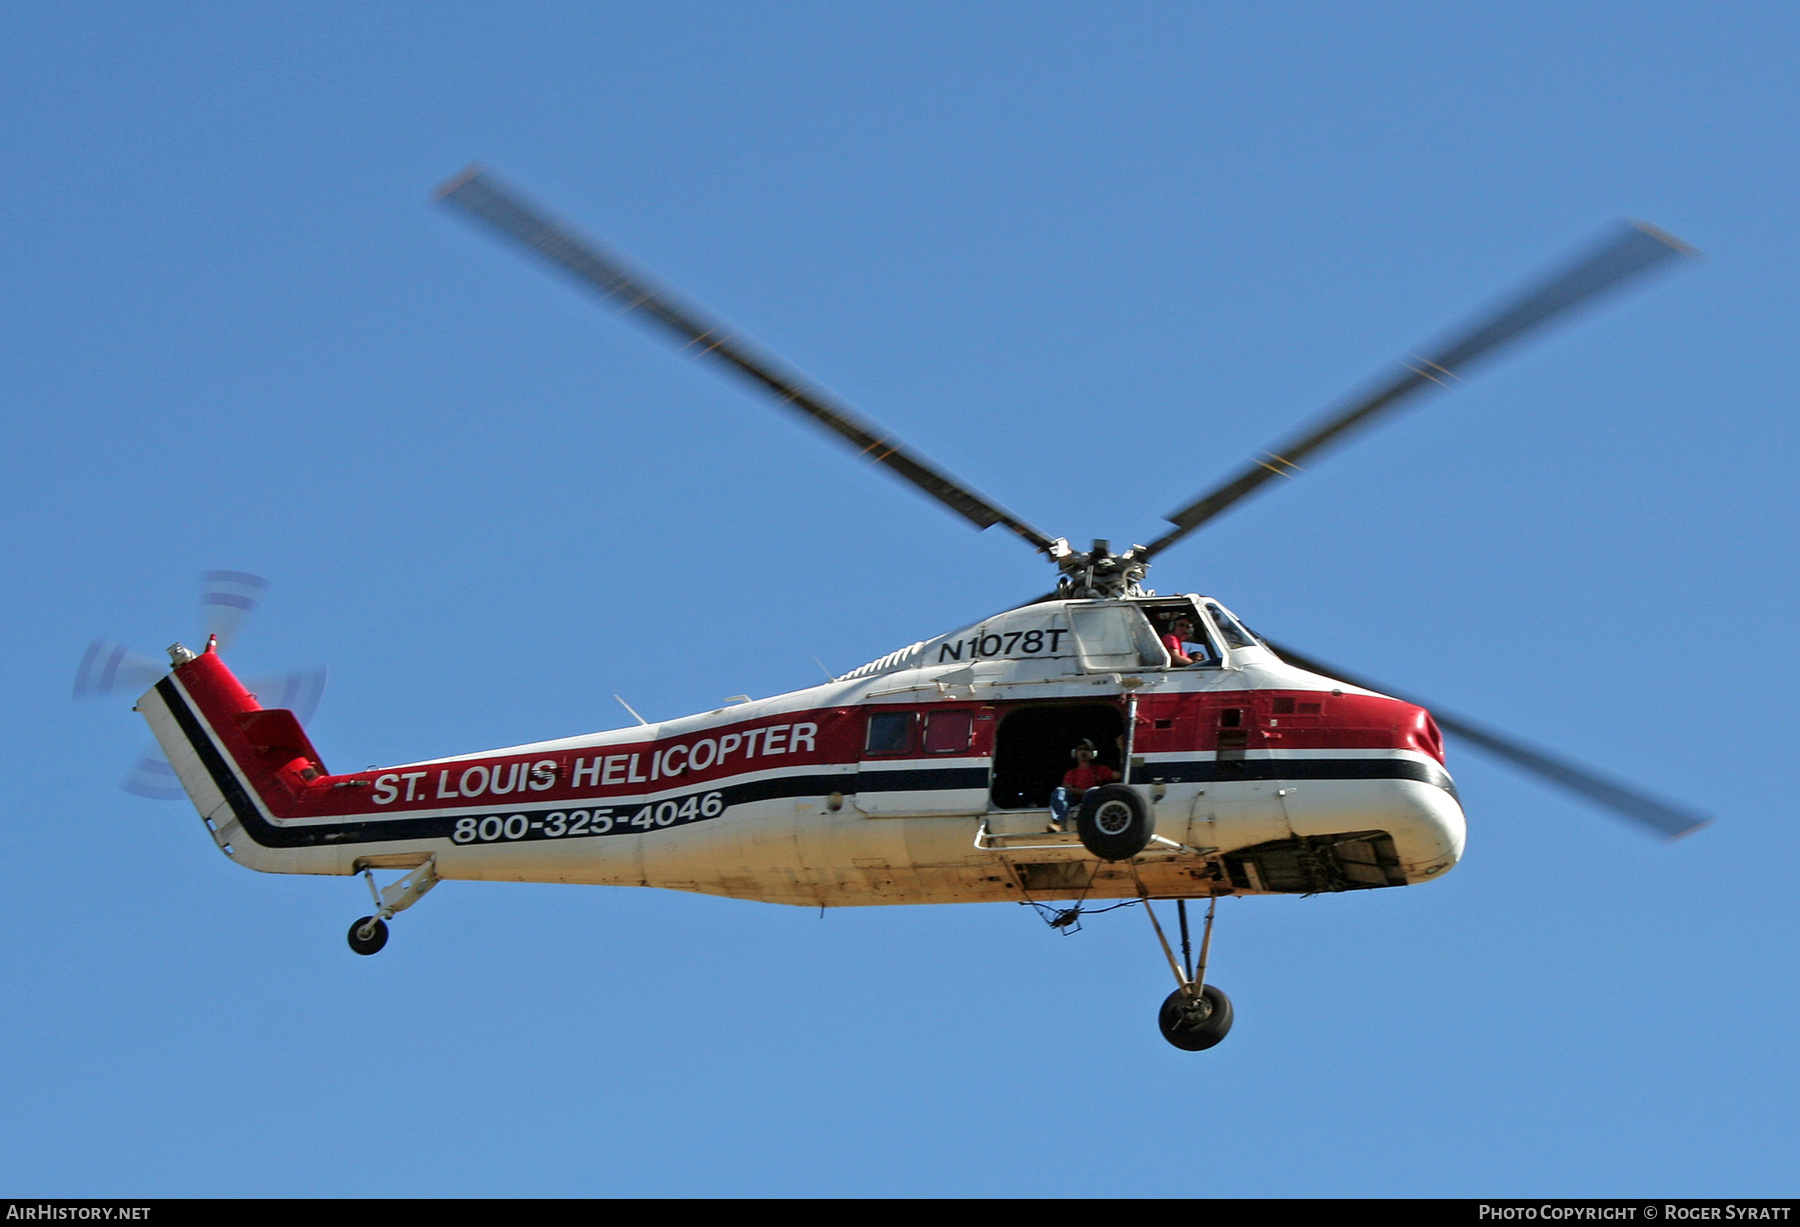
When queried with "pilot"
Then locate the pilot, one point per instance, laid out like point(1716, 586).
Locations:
point(1180, 635)
point(1085, 774)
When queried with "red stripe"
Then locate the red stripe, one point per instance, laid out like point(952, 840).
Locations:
point(1190, 722)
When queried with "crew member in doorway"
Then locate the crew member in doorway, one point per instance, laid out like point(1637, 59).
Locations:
point(1185, 648)
point(1085, 774)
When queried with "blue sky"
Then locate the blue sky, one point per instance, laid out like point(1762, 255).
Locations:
point(1087, 257)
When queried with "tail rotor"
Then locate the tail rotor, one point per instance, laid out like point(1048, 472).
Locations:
point(153, 778)
point(227, 599)
point(109, 667)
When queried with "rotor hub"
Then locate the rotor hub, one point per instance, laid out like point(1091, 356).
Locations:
point(1098, 573)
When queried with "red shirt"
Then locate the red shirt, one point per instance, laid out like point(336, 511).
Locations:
point(1080, 779)
point(1178, 650)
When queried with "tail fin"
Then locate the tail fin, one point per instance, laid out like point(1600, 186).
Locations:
point(240, 763)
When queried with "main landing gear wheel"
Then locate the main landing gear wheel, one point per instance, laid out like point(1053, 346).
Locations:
point(1194, 1025)
point(1196, 1015)
point(1114, 822)
point(369, 934)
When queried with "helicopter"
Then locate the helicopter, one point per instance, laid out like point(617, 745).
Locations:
point(1100, 742)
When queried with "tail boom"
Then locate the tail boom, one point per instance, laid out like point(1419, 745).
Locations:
point(245, 767)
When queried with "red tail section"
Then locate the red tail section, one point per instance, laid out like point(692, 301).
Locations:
point(267, 744)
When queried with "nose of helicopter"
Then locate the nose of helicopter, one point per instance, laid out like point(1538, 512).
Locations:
point(1427, 823)
point(1432, 830)
point(1343, 834)
point(1420, 817)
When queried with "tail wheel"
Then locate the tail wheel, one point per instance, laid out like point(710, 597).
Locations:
point(1114, 822)
point(367, 935)
point(1194, 1026)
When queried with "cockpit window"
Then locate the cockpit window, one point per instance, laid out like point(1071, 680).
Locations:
point(1184, 633)
point(1116, 637)
point(1230, 629)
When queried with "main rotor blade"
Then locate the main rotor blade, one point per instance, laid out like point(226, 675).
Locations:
point(1638, 248)
point(1670, 821)
point(476, 192)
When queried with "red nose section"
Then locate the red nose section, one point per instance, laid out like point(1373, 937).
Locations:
point(1294, 720)
point(1423, 733)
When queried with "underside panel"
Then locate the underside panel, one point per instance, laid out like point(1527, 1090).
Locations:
point(1318, 864)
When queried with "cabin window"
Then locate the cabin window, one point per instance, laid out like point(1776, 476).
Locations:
point(947, 732)
point(890, 732)
point(1117, 637)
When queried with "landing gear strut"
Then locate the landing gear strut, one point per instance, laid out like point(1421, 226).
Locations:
point(1196, 1015)
point(369, 934)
